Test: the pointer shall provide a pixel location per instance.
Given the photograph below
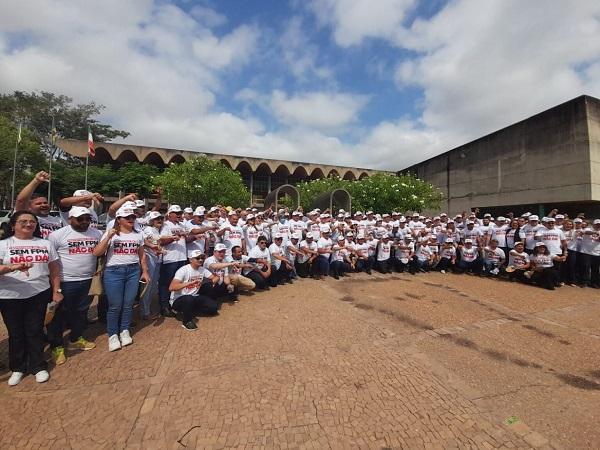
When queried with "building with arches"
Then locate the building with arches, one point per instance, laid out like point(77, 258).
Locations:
point(260, 175)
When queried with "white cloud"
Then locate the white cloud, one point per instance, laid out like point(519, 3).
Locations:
point(319, 110)
point(355, 20)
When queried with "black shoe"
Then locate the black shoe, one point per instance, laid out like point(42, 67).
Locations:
point(369, 272)
point(335, 276)
point(190, 326)
point(167, 312)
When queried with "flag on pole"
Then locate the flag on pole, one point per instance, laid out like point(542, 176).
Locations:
point(19, 135)
point(91, 149)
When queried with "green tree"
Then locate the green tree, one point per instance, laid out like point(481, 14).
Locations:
point(35, 110)
point(203, 181)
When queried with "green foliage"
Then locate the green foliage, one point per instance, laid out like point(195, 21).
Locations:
point(380, 192)
point(35, 111)
point(203, 181)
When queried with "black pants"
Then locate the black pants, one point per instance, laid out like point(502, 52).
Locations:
point(384, 266)
point(280, 275)
point(303, 269)
point(546, 278)
point(569, 268)
point(259, 280)
point(340, 267)
point(445, 264)
point(591, 269)
point(24, 320)
point(365, 264)
point(190, 305)
point(214, 292)
point(71, 312)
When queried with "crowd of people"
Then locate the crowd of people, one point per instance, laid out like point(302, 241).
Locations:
point(193, 259)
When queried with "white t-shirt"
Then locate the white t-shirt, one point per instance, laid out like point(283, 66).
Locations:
point(448, 252)
point(221, 273)
point(518, 260)
point(17, 285)
point(590, 243)
point(123, 248)
point(153, 235)
point(186, 274)
point(528, 233)
point(275, 249)
point(251, 234)
point(340, 254)
point(473, 234)
point(499, 233)
point(302, 258)
point(177, 250)
point(284, 229)
point(552, 238)
point(468, 254)
point(542, 260)
point(323, 243)
point(257, 253)
point(297, 226)
point(404, 250)
point(493, 256)
point(75, 251)
point(49, 224)
point(232, 237)
point(424, 252)
point(384, 250)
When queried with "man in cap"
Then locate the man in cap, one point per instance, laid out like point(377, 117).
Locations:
point(528, 231)
point(590, 252)
point(218, 265)
point(281, 268)
point(261, 259)
point(185, 287)
point(470, 262)
point(340, 258)
point(38, 204)
point(384, 253)
point(83, 198)
point(232, 234)
point(74, 244)
point(241, 262)
point(307, 256)
point(364, 262)
point(324, 245)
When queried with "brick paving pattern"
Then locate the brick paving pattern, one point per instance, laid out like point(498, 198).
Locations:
point(405, 362)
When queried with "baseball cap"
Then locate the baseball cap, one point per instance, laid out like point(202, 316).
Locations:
point(325, 229)
point(187, 210)
point(500, 218)
point(559, 216)
point(174, 208)
point(342, 211)
point(449, 241)
point(250, 217)
point(296, 213)
point(220, 247)
point(296, 236)
point(487, 215)
point(195, 253)
point(360, 236)
point(350, 233)
point(278, 236)
point(77, 211)
point(533, 217)
point(550, 219)
point(369, 212)
point(340, 238)
point(153, 215)
point(199, 211)
point(81, 193)
point(140, 204)
point(402, 220)
point(233, 212)
point(309, 235)
point(125, 212)
point(596, 222)
point(468, 241)
point(577, 220)
point(539, 244)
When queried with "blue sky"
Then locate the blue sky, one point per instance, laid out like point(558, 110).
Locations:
point(368, 83)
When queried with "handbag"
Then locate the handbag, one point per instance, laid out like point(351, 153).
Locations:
point(96, 287)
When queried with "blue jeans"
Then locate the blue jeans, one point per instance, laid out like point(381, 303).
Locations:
point(167, 272)
point(153, 264)
point(121, 284)
point(72, 311)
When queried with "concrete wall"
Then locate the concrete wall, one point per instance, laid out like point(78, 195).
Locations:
point(593, 116)
point(543, 159)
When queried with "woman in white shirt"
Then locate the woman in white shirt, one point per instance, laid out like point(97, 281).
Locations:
point(542, 264)
point(29, 280)
point(125, 269)
point(154, 252)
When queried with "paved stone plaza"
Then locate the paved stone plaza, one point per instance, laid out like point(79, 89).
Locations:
point(430, 361)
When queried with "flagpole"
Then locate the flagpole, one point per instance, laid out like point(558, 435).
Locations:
point(14, 174)
point(87, 159)
point(50, 164)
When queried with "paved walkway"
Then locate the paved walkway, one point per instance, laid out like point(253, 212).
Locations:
point(407, 362)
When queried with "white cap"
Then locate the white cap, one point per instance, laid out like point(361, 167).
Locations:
point(358, 213)
point(402, 220)
point(325, 215)
point(577, 220)
point(233, 212)
point(77, 211)
point(408, 237)
point(443, 215)
point(470, 222)
point(360, 236)
point(436, 218)
point(550, 219)
point(278, 236)
point(596, 222)
point(468, 241)
point(527, 214)
point(340, 238)
point(383, 216)
point(342, 211)
point(194, 253)
point(81, 193)
point(309, 235)
point(174, 208)
point(213, 209)
point(140, 204)
point(250, 216)
point(533, 217)
point(449, 241)
point(220, 247)
point(350, 234)
point(415, 214)
point(297, 236)
point(187, 210)
point(369, 212)
point(281, 211)
point(559, 216)
point(539, 244)
point(296, 213)
point(487, 215)
point(153, 215)
point(199, 211)
point(125, 212)
point(325, 229)
point(501, 218)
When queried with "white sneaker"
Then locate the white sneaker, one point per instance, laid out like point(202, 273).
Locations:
point(42, 376)
point(442, 271)
point(15, 378)
point(113, 343)
point(126, 338)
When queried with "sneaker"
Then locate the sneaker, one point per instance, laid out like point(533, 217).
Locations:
point(81, 344)
point(125, 338)
point(58, 355)
point(113, 343)
point(15, 378)
point(190, 326)
point(442, 271)
point(166, 312)
point(42, 376)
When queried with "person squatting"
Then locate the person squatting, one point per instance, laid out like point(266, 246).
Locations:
point(193, 259)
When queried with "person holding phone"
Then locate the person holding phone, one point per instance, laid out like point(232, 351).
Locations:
point(125, 268)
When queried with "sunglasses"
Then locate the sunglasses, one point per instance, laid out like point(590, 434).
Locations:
point(83, 219)
point(199, 258)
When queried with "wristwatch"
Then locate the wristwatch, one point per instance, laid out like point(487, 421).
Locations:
point(58, 291)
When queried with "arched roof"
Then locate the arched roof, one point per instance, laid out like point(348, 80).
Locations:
point(127, 156)
point(154, 159)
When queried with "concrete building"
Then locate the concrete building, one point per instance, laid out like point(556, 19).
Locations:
point(550, 160)
point(260, 175)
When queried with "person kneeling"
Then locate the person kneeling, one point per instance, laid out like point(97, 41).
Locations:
point(185, 287)
point(542, 271)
